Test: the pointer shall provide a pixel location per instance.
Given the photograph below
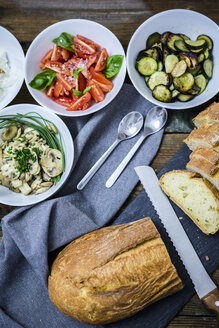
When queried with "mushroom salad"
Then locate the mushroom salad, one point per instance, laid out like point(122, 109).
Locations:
point(31, 155)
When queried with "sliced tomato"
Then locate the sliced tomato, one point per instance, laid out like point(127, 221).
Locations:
point(96, 91)
point(78, 52)
point(57, 88)
point(50, 89)
point(104, 87)
point(65, 54)
point(56, 54)
point(90, 60)
point(47, 56)
point(67, 82)
point(86, 105)
point(83, 46)
point(80, 102)
point(88, 41)
point(64, 101)
point(58, 67)
point(98, 76)
point(81, 82)
point(101, 63)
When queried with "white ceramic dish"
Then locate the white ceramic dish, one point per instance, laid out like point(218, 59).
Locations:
point(9, 197)
point(184, 21)
point(12, 47)
point(43, 42)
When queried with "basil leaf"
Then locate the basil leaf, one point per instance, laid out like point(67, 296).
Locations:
point(113, 65)
point(65, 40)
point(43, 80)
point(77, 93)
point(76, 72)
point(87, 89)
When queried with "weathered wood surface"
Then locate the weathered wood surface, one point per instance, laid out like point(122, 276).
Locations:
point(25, 19)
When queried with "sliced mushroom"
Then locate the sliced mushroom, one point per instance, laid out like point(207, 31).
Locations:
point(25, 189)
point(16, 183)
point(0, 157)
point(9, 133)
point(28, 176)
point(18, 133)
point(30, 133)
point(52, 163)
point(46, 177)
point(5, 181)
point(41, 190)
point(46, 184)
point(35, 168)
point(36, 182)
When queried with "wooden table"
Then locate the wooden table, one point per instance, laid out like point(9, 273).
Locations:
point(25, 19)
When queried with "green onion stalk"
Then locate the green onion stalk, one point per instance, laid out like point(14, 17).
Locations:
point(38, 123)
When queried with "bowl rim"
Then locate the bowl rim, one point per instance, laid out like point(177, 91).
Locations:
point(20, 79)
point(89, 110)
point(187, 105)
point(71, 154)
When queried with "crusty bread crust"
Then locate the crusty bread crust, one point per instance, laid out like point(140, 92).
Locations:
point(112, 273)
point(191, 175)
point(210, 115)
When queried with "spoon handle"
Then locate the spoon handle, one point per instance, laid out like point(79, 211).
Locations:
point(97, 165)
point(112, 179)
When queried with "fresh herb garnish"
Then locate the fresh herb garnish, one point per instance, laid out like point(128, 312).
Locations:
point(23, 158)
point(113, 65)
point(65, 40)
point(37, 151)
point(22, 139)
point(76, 72)
point(81, 93)
point(43, 80)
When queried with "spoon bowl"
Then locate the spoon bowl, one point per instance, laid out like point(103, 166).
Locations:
point(130, 125)
point(155, 119)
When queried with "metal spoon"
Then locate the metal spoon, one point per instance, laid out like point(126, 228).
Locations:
point(155, 120)
point(129, 126)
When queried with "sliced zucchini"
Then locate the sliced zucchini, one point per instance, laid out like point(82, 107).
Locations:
point(162, 93)
point(195, 90)
point(185, 37)
point(166, 52)
point(182, 97)
point(158, 78)
point(147, 66)
point(179, 69)
point(201, 82)
point(157, 45)
point(171, 41)
point(180, 45)
point(190, 59)
point(184, 82)
point(146, 79)
point(207, 39)
point(154, 37)
point(198, 44)
point(153, 52)
point(201, 57)
point(195, 71)
point(208, 68)
point(175, 93)
point(171, 87)
point(207, 53)
point(160, 66)
point(164, 37)
point(170, 62)
point(197, 51)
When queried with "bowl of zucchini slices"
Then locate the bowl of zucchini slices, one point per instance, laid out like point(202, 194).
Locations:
point(171, 59)
point(36, 154)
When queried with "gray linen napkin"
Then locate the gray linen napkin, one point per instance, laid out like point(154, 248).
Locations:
point(30, 233)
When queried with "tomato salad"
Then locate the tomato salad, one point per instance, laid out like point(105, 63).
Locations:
point(75, 71)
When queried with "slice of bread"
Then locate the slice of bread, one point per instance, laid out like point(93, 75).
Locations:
point(205, 161)
point(210, 115)
point(195, 196)
point(205, 136)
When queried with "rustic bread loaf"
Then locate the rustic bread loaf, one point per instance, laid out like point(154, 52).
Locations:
point(112, 273)
point(205, 136)
point(195, 196)
point(210, 115)
point(205, 161)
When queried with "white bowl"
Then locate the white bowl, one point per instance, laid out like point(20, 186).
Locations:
point(9, 197)
point(12, 47)
point(184, 21)
point(43, 42)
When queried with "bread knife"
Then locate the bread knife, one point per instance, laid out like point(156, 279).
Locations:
point(204, 286)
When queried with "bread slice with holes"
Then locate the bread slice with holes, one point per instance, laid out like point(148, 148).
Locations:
point(195, 196)
point(205, 136)
point(205, 161)
point(210, 115)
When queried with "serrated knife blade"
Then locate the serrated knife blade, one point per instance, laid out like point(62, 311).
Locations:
point(204, 286)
